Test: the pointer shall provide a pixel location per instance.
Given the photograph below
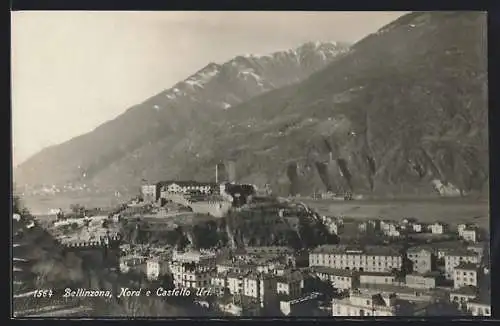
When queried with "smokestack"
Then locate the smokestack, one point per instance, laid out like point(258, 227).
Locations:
point(216, 173)
point(231, 171)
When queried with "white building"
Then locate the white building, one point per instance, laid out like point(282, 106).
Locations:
point(182, 187)
point(156, 267)
point(465, 274)
point(369, 258)
point(437, 228)
point(479, 307)
point(339, 278)
point(469, 235)
point(363, 304)
point(417, 227)
point(455, 257)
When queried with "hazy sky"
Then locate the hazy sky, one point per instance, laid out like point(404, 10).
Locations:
point(72, 71)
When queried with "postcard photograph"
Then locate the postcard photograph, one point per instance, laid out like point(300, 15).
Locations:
point(249, 164)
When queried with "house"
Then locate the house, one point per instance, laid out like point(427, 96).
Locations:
point(368, 258)
point(365, 304)
point(376, 278)
point(150, 192)
point(420, 281)
point(437, 228)
point(417, 227)
point(156, 267)
point(290, 284)
point(455, 257)
point(421, 258)
point(465, 274)
point(462, 296)
point(478, 307)
point(339, 278)
point(469, 235)
point(480, 248)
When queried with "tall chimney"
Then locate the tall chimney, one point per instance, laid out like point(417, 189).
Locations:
point(216, 173)
point(231, 171)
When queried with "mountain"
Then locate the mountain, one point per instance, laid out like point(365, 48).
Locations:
point(403, 112)
point(148, 134)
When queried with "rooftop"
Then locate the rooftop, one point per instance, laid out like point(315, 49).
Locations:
point(353, 250)
point(461, 252)
point(466, 290)
point(333, 271)
point(467, 266)
point(387, 274)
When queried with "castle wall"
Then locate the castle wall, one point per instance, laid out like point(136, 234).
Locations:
point(214, 208)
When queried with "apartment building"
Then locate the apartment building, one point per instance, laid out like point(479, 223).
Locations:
point(369, 258)
point(454, 257)
point(339, 278)
point(219, 283)
point(193, 269)
point(421, 258)
point(465, 274)
point(261, 287)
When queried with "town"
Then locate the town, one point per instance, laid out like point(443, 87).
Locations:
point(377, 267)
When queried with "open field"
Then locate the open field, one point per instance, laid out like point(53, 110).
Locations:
point(427, 211)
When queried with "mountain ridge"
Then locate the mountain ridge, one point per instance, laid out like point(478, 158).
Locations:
point(233, 84)
point(402, 112)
